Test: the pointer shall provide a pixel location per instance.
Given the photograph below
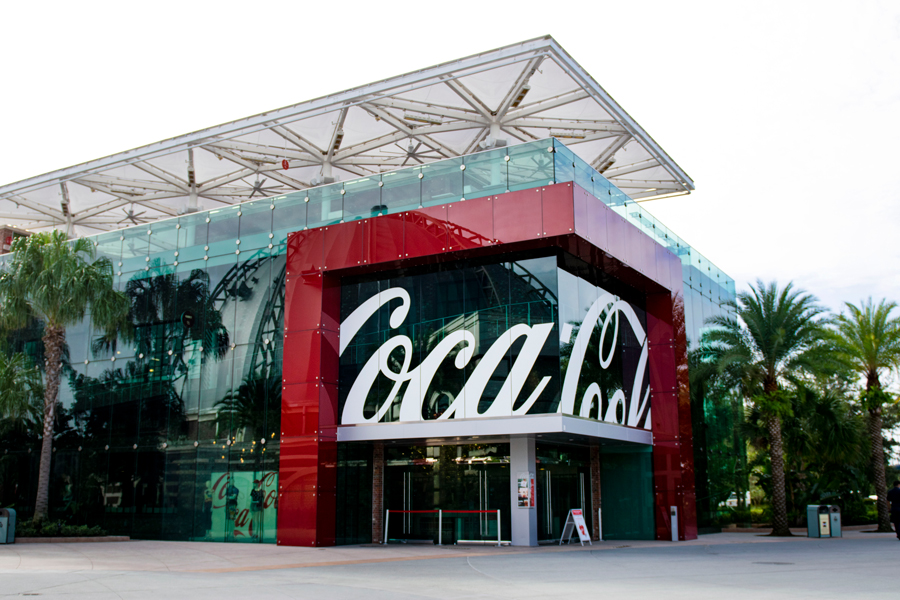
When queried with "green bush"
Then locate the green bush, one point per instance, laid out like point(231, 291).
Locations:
point(56, 529)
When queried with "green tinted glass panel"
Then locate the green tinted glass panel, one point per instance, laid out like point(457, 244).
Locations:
point(485, 173)
point(530, 165)
point(626, 482)
point(326, 205)
point(362, 198)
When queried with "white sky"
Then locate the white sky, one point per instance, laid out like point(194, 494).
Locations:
point(786, 114)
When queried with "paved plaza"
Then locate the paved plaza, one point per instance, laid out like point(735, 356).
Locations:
point(726, 565)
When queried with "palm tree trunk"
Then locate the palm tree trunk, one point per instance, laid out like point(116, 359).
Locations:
point(877, 448)
point(776, 451)
point(54, 338)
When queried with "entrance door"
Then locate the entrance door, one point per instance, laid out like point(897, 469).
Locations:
point(413, 485)
point(450, 478)
point(560, 489)
point(483, 487)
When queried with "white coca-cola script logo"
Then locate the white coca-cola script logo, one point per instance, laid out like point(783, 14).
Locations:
point(466, 403)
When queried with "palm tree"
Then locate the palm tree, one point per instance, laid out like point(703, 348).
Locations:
point(773, 336)
point(822, 437)
point(20, 382)
point(869, 340)
point(55, 281)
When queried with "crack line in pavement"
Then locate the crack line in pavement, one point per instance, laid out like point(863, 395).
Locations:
point(77, 574)
point(468, 562)
point(85, 556)
point(109, 588)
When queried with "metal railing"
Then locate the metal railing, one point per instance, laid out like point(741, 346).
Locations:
point(440, 515)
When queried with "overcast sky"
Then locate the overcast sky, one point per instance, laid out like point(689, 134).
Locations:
point(786, 114)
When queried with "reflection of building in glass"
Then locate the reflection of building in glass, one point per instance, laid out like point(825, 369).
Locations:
point(547, 316)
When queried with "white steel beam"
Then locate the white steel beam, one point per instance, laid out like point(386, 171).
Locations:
point(527, 110)
point(337, 134)
point(610, 151)
point(109, 181)
point(632, 168)
point(293, 137)
point(412, 132)
point(36, 206)
point(518, 85)
point(288, 181)
point(163, 174)
point(469, 98)
point(437, 110)
point(265, 151)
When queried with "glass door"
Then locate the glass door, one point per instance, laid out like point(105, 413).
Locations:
point(563, 483)
point(450, 478)
point(410, 488)
point(484, 487)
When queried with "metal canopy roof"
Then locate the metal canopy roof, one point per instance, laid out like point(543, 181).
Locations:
point(523, 92)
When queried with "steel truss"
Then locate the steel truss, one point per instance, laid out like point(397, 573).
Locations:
point(523, 92)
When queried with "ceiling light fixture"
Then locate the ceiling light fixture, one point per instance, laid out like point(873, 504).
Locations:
point(525, 89)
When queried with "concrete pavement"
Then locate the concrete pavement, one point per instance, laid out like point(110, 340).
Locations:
point(732, 565)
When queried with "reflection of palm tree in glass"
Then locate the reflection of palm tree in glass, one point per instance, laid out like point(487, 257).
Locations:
point(158, 305)
point(162, 336)
point(254, 407)
point(95, 396)
point(610, 379)
point(502, 295)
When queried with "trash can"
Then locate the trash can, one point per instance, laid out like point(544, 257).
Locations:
point(7, 526)
point(818, 520)
point(835, 520)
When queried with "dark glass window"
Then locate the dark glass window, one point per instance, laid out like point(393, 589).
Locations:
point(483, 300)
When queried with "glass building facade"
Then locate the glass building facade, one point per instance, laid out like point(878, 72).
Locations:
point(172, 431)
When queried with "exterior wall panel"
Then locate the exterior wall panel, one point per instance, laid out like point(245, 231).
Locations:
point(226, 371)
point(431, 233)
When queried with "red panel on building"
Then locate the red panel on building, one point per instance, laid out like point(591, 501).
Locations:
point(471, 223)
point(561, 215)
point(558, 209)
point(425, 232)
point(302, 300)
point(384, 239)
point(343, 245)
point(518, 216)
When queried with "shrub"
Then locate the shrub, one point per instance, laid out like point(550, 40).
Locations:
point(56, 529)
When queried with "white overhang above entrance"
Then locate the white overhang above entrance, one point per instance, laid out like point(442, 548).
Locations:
point(527, 91)
point(451, 429)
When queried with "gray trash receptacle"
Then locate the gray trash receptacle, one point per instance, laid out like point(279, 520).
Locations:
point(7, 526)
point(835, 511)
point(818, 520)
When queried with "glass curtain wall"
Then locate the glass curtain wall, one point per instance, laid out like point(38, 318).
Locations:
point(155, 427)
point(486, 300)
point(353, 513)
point(171, 430)
point(626, 492)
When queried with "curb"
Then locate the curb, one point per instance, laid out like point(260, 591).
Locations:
point(794, 530)
point(72, 540)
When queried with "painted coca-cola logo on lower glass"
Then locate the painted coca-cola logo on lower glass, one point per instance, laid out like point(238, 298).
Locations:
point(240, 506)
